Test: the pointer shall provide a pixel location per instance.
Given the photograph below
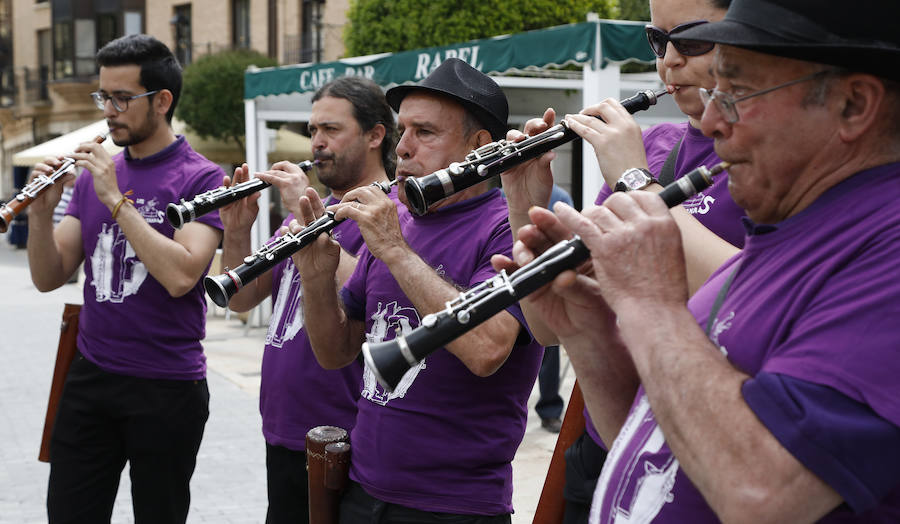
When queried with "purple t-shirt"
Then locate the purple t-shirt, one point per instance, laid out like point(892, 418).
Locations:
point(444, 440)
point(816, 299)
point(713, 207)
point(129, 324)
point(296, 394)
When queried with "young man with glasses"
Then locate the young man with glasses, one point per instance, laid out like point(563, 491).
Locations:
point(771, 394)
point(136, 391)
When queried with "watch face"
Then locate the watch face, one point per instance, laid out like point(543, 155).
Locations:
point(635, 179)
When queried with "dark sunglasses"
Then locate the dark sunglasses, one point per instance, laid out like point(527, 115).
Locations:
point(659, 39)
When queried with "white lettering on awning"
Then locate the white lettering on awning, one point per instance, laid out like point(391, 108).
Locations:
point(427, 63)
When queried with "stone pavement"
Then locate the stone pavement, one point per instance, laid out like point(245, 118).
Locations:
point(229, 483)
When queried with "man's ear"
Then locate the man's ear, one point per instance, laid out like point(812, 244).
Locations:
point(863, 99)
point(375, 136)
point(162, 101)
point(483, 137)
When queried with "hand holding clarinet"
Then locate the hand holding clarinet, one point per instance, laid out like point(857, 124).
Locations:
point(238, 218)
point(44, 188)
point(323, 254)
point(222, 287)
point(240, 214)
point(290, 179)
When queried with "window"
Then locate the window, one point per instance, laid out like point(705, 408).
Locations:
point(181, 26)
point(81, 27)
point(273, 28)
point(107, 29)
point(35, 79)
point(63, 61)
point(134, 23)
point(311, 38)
point(240, 18)
point(85, 47)
point(45, 62)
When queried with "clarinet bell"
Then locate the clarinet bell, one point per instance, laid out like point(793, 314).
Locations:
point(387, 361)
point(175, 215)
point(220, 288)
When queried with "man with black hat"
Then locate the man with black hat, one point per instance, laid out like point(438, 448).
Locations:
point(440, 445)
point(772, 394)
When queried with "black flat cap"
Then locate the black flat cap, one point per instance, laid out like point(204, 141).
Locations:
point(476, 91)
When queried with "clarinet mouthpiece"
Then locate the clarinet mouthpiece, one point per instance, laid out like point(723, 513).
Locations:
point(718, 168)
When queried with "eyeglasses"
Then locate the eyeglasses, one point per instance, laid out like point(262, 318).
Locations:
point(119, 102)
point(725, 101)
point(659, 39)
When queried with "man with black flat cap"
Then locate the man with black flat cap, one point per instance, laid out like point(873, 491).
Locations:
point(772, 394)
point(439, 447)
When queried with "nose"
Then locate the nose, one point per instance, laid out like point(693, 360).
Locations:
point(713, 122)
point(673, 58)
point(404, 145)
point(318, 141)
point(109, 110)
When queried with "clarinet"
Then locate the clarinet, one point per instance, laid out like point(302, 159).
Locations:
point(222, 287)
point(181, 213)
point(492, 159)
point(391, 359)
point(33, 189)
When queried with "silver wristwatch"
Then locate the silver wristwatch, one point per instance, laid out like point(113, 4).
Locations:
point(634, 178)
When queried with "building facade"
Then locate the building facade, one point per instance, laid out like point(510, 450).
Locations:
point(47, 50)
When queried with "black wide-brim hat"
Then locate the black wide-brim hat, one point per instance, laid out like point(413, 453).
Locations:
point(860, 36)
point(476, 91)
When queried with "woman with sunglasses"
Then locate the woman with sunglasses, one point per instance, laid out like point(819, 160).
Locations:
point(710, 221)
point(666, 152)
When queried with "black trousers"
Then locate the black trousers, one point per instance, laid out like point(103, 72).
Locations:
point(358, 507)
point(288, 486)
point(584, 460)
point(550, 403)
point(105, 420)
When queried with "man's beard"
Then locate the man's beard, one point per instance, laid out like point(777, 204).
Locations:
point(343, 172)
point(136, 136)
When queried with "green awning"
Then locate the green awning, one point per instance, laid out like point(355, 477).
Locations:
point(621, 41)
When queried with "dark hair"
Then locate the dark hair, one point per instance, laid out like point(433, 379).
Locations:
point(370, 108)
point(159, 68)
point(720, 4)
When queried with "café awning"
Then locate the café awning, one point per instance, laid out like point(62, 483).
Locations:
point(573, 44)
point(64, 144)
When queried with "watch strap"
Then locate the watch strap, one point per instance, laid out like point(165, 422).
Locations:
point(667, 173)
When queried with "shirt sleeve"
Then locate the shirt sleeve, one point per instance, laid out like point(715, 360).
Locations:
point(78, 190)
point(844, 442)
point(353, 294)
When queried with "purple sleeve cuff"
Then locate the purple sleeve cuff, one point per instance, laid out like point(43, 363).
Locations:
point(843, 442)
